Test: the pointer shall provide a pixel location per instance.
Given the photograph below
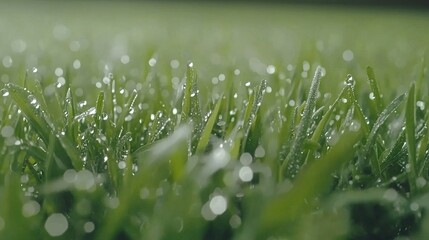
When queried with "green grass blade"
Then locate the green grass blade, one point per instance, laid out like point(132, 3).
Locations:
point(70, 151)
point(31, 108)
point(394, 154)
point(322, 123)
point(410, 133)
point(207, 131)
point(250, 116)
point(99, 109)
point(190, 106)
point(293, 162)
point(375, 89)
point(373, 134)
point(127, 110)
point(191, 110)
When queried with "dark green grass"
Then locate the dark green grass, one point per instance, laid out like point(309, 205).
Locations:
point(129, 121)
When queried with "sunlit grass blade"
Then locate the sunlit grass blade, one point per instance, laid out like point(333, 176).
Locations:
point(99, 109)
point(357, 107)
point(293, 162)
point(207, 131)
point(375, 94)
point(127, 110)
point(30, 106)
point(373, 134)
point(322, 123)
point(255, 104)
point(287, 207)
point(190, 104)
point(191, 110)
point(410, 134)
point(395, 153)
point(255, 101)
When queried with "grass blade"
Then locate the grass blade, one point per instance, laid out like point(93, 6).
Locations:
point(191, 110)
point(379, 105)
point(293, 162)
point(250, 116)
point(206, 133)
point(322, 123)
point(99, 109)
point(410, 134)
point(373, 134)
point(31, 108)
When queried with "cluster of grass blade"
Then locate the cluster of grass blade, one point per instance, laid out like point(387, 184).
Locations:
point(132, 172)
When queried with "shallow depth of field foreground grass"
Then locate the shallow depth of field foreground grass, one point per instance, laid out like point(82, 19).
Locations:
point(151, 121)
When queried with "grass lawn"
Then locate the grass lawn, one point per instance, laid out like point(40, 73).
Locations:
point(189, 121)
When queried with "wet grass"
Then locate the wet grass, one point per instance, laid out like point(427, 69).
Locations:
point(212, 122)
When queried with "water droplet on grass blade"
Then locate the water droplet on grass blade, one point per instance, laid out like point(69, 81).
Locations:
point(245, 174)
point(348, 55)
point(84, 180)
point(246, 158)
point(89, 227)
point(218, 204)
point(56, 224)
point(259, 152)
point(30, 208)
point(235, 221)
point(414, 206)
point(354, 126)
point(421, 105)
point(7, 131)
point(7, 62)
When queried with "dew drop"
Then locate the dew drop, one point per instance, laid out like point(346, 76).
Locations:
point(414, 206)
point(56, 224)
point(76, 64)
point(7, 62)
point(125, 59)
point(30, 208)
point(348, 55)
point(271, 69)
point(235, 221)
point(122, 165)
point(246, 158)
point(260, 152)
point(84, 180)
point(218, 204)
point(89, 227)
point(421, 105)
point(245, 174)
point(7, 131)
